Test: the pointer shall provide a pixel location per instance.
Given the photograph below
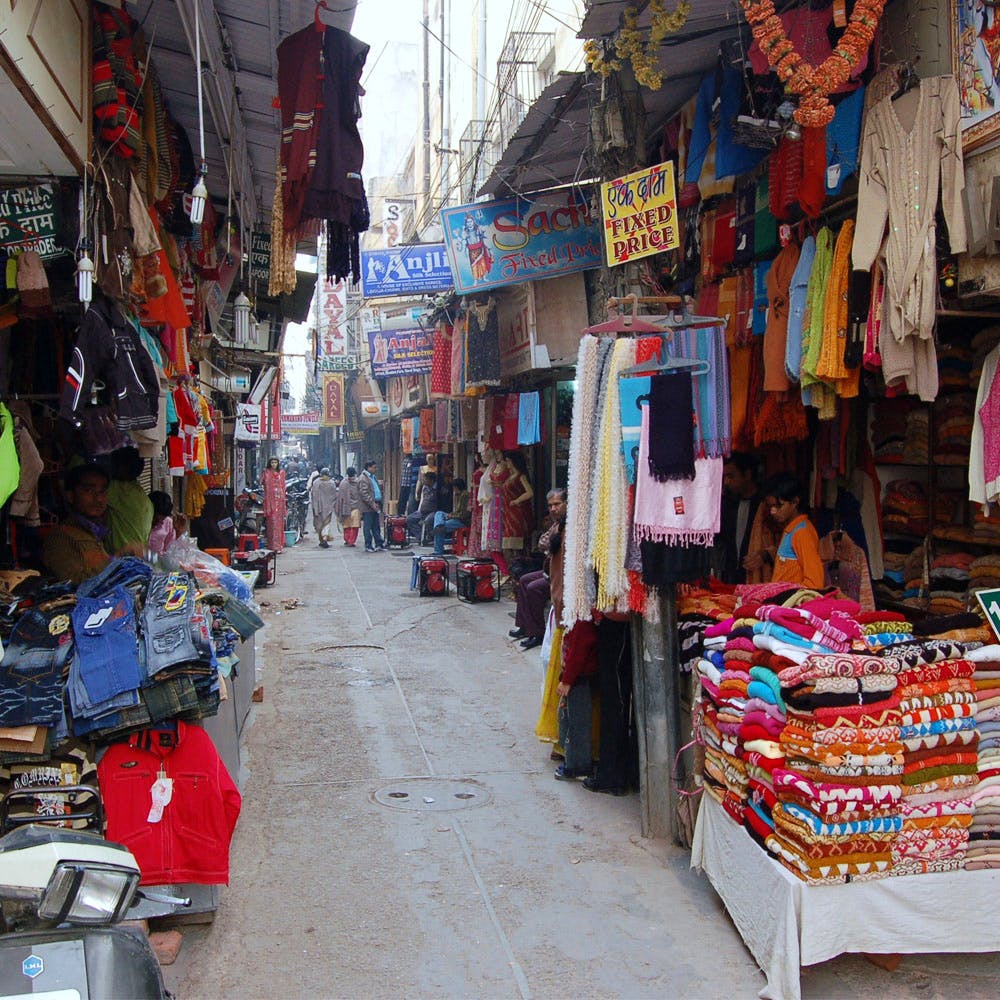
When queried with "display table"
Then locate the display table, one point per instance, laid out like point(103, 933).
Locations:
point(787, 923)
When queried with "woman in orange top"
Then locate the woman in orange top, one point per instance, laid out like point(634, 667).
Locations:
point(797, 558)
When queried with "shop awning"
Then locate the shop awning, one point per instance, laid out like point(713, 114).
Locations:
point(552, 144)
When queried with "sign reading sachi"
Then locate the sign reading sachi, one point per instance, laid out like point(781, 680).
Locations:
point(409, 269)
point(640, 214)
point(400, 352)
point(496, 243)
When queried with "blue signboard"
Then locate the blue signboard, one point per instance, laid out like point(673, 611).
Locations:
point(400, 352)
point(498, 243)
point(405, 270)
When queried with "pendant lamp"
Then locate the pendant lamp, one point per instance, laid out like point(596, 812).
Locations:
point(199, 194)
point(85, 273)
point(241, 318)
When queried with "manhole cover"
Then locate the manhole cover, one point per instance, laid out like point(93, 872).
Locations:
point(433, 794)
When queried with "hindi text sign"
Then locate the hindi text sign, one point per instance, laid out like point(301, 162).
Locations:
point(640, 214)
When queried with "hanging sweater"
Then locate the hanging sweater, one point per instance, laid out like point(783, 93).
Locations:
point(779, 280)
point(814, 393)
point(831, 367)
point(910, 149)
point(797, 292)
point(984, 455)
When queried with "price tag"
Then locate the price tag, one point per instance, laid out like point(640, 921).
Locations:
point(161, 792)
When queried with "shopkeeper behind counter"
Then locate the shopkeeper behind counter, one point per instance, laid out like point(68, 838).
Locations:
point(76, 550)
point(797, 558)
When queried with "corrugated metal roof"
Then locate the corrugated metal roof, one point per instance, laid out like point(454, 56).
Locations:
point(239, 43)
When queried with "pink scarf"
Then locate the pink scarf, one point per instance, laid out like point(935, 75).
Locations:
point(677, 511)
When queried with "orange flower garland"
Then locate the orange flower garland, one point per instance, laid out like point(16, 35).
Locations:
point(813, 84)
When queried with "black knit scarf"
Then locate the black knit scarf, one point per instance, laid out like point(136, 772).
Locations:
point(671, 430)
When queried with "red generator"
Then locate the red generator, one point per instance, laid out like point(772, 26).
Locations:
point(396, 536)
point(477, 580)
point(433, 577)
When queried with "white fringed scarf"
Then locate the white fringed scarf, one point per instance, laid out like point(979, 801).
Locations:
point(579, 588)
point(609, 523)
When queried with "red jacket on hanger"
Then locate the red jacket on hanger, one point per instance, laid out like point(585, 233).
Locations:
point(190, 843)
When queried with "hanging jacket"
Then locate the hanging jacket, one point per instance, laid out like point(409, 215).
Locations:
point(108, 349)
point(190, 843)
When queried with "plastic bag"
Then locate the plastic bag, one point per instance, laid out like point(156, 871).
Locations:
point(183, 553)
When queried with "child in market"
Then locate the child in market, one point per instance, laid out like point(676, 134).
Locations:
point(797, 558)
point(166, 525)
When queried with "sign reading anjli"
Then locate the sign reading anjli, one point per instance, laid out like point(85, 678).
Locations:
point(640, 214)
point(407, 269)
point(496, 243)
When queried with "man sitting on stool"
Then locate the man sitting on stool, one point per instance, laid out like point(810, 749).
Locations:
point(532, 589)
point(426, 507)
point(445, 523)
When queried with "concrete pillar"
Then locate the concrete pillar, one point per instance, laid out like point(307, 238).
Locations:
point(654, 658)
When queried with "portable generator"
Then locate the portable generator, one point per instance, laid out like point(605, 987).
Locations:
point(395, 532)
point(433, 576)
point(477, 580)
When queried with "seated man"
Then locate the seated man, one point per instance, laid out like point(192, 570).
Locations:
point(445, 523)
point(77, 549)
point(426, 507)
point(532, 589)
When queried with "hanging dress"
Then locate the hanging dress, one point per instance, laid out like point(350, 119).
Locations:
point(482, 363)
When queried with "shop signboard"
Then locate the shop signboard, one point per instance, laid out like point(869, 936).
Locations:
point(989, 601)
point(496, 243)
point(400, 352)
point(29, 220)
point(332, 319)
point(640, 214)
point(407, 269)
point(248, 422)
point(333, 414)
point(260, 257)
point(338, 363)
point(516, 325)
point(300, 423)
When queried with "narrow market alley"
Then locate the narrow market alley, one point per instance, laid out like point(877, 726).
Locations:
point(489, 878)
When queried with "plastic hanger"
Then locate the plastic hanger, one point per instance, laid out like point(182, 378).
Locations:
point(697, 366)
point(908, 79)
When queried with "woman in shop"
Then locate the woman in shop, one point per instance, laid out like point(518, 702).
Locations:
point(76, 549)
point(796, 559)
point(347, 506)
point(275, 505)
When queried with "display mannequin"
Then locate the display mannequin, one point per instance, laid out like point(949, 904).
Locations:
point(490, 495)
point(275, 504)
point(518, 515)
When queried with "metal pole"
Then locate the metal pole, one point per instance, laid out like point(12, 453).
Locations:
point(427, 113)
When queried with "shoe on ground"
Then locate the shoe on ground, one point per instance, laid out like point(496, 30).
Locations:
point(370, 548)
point(556, 755)
point(324, 544)
point(517, 633)
point(592, 785)
point(531, 642)
point(563, 773)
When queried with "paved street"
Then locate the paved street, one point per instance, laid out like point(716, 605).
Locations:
point(506, 883)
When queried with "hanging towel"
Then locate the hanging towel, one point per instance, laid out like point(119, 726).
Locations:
point(528, 428)
point(441, 421)
point(510, 421)
point(406, 436)
point(630, 391)
point(671, 445)
point(679, 511)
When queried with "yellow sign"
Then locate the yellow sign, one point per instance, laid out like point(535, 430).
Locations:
point(640, 214)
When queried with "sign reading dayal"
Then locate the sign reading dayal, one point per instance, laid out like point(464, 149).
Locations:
point(496, 243)
point(989, 601)
point(333, 414)
point(640, 214)
point(29, 220)
point(406, 269)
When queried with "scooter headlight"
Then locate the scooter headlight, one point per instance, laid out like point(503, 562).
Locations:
point(87, 893)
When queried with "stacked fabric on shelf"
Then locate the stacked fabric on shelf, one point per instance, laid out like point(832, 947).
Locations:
point(984, 572)
point(838, 796)
point(983, 849)
point(938, 708)
point(720, 750)
point(733, 697)
point(917, 440)
point(953, 417)
point(905, 507)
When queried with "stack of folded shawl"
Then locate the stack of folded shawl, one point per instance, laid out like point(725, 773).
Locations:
point(938, 706)
point(720, 750)
point(984, 834)
point(733, 697)
point(905, 507)
point(838, 796)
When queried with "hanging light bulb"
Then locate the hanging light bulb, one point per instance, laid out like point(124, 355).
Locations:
point(199, 195)
point(85, 273)
point(241, 319)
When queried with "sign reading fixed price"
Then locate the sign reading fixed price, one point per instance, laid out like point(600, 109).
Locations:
point(260, 256)
point(29, 220)
point(640, 214)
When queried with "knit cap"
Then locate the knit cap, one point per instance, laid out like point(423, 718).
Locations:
point(33, 285)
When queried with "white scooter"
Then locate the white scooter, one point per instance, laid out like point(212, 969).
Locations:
point(62, 891)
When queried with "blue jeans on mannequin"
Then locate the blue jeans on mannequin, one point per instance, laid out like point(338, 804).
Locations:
point(373, 534)
point(574, 728)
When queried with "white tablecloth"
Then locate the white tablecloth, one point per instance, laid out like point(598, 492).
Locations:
point(787, 923)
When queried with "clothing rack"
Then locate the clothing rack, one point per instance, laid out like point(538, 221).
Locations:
point(668, 300)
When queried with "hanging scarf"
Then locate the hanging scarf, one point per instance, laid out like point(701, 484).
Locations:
point(678, 511)
point(630, 391)
point(671, 445)
point(528, 429)
point(578, 581)
point(609, 489)
point(710, 390)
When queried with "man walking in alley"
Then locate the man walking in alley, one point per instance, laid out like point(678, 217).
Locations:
point(323, 497)
point(371, 508)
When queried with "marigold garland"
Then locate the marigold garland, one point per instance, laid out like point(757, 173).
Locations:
point(642, 53)
point(813, 84)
